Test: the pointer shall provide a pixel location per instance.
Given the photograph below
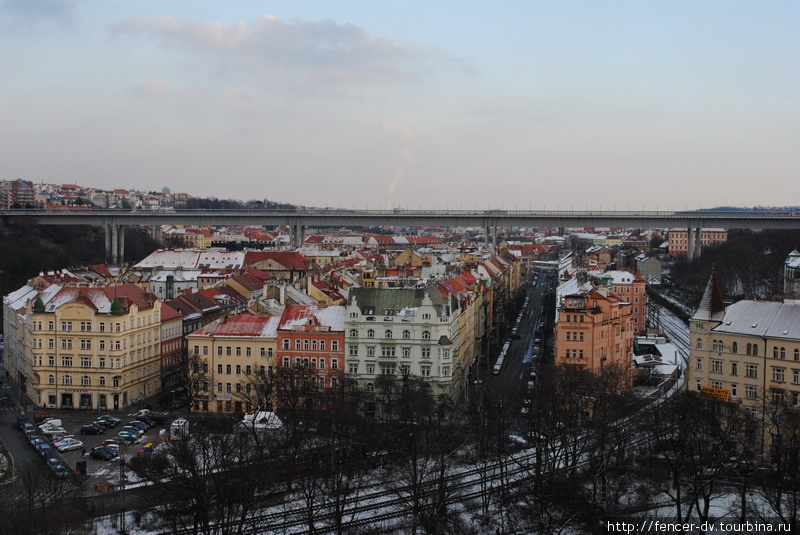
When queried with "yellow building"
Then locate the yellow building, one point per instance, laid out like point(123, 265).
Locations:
point(233, 350)
point(87, 348)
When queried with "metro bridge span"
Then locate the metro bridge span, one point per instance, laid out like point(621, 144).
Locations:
point(115, 221)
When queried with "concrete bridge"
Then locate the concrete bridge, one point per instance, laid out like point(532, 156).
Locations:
point(115, 221)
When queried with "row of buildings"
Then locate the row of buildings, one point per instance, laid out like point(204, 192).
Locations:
point(105, 337)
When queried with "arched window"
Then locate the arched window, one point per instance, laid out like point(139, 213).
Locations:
point(370, 334)
point(755, 350)
point(370, 387)
point(426, 335)
point(388, 333)
point(783, 353)
point(102, 380)
point(407, 335)
point(85, 380)
point(775, 352)
point(51, 379)
point(749, 349)
point(699, 343)
point(734, 347)
point(354, 333)
point(797, 354)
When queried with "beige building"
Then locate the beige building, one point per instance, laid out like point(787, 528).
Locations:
point(748, 351)
point(233, 349)
point(84, 348)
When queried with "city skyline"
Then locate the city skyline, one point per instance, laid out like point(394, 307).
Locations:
point(520, 105)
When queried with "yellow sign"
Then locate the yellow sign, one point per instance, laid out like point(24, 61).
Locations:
point(721, 394)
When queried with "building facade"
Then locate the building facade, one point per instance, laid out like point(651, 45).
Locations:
point(85, 348)
point(233, 350)
point(631, 288)
point(679, 239)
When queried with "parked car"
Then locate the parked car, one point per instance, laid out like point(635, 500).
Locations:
point(39, 417)
point(60, 470)
point(147, 448)
point(50, 431)
point(91, 430)
point(50, 422)
point(133, 429)
point(59, 440)
point(140, 424)
point(127, 437)
point(36, 441)
point(149, 420)
point(101, 453)
point(69, 445)
point(113, 448)
point(44, 449)
point(21, 421)
point(28, 428)
point(113, 419)
point(101, 425)
point(108, 441)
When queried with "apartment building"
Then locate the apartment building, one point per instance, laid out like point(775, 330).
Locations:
point(747, 352)
point(313, 338)
point(233, 349)
point(630, 288)
point(679, 239)
point(594, 331)
point(404, 331)
point(84, 347)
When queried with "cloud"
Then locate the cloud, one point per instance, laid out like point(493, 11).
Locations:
point(32, 11)
point(158, 88)
point(392, 129)
point(293, 52)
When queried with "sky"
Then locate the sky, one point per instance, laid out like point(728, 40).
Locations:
point(369, 104)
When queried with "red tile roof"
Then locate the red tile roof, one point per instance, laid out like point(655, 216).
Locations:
point(288, 259)
point(244, 325)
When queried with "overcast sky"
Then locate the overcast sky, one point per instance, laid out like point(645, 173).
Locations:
point(453, 104)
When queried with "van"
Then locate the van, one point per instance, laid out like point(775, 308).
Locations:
point(51, 422)
point(142, 412)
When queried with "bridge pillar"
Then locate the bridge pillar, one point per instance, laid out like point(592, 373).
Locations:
point(486, 236)
point(698, 240)
point(690, 248)
point(301, 235)
point(114, 243)
point(494, 239)
point(107, 233)
point(121, 244)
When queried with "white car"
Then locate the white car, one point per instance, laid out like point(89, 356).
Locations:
point(69, 445)
point(52, 430)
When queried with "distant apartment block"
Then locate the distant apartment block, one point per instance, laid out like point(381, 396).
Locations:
point(679, 239)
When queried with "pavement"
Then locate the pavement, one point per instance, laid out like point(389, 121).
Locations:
point(24, 456)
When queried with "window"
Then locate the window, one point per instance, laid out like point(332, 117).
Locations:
point(778, 374)
point(699, 365)
point(219, 368)
point(370, 351)
point(407, 335)
point(353, 333)
point(569, 336)
point(334, 382)
point(352, 367)
point(219, 351)
point(219, 387)
point(445, 371)
point(66, 379)
point(755, 350)
point(115, 381)
point(426, 352)
point(716, 366)
point(85, 380)
point(699, 343)
point(285, 343)
point(783, 353)
point(334, 364)
point(751, 370)
point(322, 345)
point(777, 396)
point(248, 352)
point(228, 351)
point(387, 334)
point(86, 362)
point(370, 333)
point(51, 360)
point(51, 379)
point(247, 370)
point(734, 347)
point(406, 352)
point(321, 363)
point(286, 362)
point(734, 368)
point(334, 345)
point(370, 368)
point(775, 352)
point(227, 387)
point(425, 371)
point(313, 345)
point(387, 351)
point(797, 354)
point(426, 335)
point(370, 387)
point(796, 377)
point(305, 345)
point(749, 349)
point(228, 369)
point(445, 353)
point(733, 390)
point(238, 369)
point(66, 362)
point(426, 316)
point(102, 380)
point(387, 369)
point(405, 369)
point(352, 350)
